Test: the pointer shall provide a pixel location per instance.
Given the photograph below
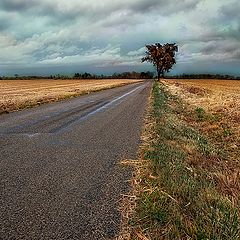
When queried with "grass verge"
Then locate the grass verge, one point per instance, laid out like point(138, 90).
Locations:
point(187, 187)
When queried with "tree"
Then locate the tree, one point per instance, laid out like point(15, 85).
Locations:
point(77, 75)
point(161, 56)
point(86, 75)
point(146, 75)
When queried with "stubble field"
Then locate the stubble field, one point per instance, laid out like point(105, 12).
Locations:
point(19, 94)
point(214, 95)
point(218, 97)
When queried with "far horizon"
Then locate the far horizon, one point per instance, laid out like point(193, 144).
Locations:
point(120, 75)
point(58, 37)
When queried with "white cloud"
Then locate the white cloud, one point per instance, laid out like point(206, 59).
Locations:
point(113, 33)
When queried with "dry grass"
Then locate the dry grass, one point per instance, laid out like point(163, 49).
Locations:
point(140, 171)
point(129, 201)
point(217, 107)
point(189, 188)
point(215, 96)
point(18, 94)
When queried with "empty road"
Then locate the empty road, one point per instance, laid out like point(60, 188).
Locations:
point(60, 176)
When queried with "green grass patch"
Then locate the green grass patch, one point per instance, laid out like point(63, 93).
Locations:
point(182, 200)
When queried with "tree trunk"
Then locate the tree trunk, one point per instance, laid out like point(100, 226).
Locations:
point(159, 74)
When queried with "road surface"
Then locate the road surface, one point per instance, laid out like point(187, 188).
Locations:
point(60, 176)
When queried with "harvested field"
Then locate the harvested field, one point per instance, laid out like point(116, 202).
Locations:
point(19, 94)
point(215, 96)
point(215, 112)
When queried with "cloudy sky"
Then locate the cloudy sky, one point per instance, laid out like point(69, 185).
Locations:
point(67, 36)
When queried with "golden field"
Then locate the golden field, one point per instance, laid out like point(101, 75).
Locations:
point(18, 94)
point(215, 96)
point(214, 109)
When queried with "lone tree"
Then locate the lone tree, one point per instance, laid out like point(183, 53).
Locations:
point(162, 57)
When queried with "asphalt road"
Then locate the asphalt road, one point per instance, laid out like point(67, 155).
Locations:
point(60, 176)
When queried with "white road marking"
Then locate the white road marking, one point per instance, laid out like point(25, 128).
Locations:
point(113, 101)
point(107, 105)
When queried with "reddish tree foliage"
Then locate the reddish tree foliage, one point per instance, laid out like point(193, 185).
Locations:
point(162, 57)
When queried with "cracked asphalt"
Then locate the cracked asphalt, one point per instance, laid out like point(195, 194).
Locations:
point(60, 176)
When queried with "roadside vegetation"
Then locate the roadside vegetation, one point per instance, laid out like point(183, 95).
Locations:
point(187, 184)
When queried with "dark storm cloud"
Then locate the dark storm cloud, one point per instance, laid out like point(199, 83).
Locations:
point(59, 14)
point(36, 8)
point(229, 49)
point(225, 25)
point(4, 24)
point(164, 7)
point(16, 5)
point(91, 9)
point(111, 33)
point(231, 11)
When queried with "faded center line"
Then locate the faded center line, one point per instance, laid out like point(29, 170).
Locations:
point(87, 115)
point(111, 103)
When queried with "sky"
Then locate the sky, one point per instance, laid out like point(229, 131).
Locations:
point(41, 37)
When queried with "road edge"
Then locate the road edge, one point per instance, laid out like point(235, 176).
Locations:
point(128, 202)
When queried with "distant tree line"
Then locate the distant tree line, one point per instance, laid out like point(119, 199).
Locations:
point(18, 77)
point(203, 76)
point(124, 75)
